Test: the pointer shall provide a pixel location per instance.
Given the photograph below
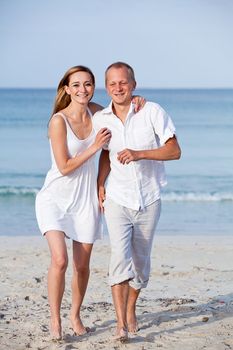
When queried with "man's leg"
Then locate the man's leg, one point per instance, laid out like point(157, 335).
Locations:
point(142, 239)
point(120, 296)
point(120, 269)
point(132, 324)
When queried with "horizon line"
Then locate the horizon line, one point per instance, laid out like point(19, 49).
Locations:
point(137, 88)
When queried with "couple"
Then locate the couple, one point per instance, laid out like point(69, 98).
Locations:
point(134, 146)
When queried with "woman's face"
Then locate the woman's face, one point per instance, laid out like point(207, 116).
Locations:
point(80, 87)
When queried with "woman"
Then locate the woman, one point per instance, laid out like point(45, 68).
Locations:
point(67, 205)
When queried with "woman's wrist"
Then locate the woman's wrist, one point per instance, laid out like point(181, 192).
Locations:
point(94, 148)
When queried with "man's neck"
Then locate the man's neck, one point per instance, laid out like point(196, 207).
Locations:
point(120, 111)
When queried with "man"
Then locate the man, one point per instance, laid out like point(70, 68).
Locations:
point(134, 161)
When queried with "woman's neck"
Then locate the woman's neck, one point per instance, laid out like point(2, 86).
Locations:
point(76, 111)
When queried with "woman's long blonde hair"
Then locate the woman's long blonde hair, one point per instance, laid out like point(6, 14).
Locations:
point(62, 99)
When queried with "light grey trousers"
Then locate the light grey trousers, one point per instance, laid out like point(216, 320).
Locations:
point(131, 234)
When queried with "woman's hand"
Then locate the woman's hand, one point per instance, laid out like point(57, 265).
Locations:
point(139, 102)
point(103, 137)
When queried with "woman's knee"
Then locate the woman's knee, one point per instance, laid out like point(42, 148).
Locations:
point(60, 262)
point(81, 268)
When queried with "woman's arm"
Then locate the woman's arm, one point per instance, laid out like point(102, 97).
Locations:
point(58, 136)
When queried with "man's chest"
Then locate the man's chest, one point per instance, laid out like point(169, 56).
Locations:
point(136, 133)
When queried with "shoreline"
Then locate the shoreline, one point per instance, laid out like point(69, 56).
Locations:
point(188, 302)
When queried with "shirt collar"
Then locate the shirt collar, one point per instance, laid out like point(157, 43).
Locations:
point(108, 110)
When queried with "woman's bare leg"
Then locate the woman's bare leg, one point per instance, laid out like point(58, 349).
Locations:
point(56, 278)
point(81, 271)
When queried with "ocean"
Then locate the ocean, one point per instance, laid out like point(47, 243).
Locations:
point(199, 196)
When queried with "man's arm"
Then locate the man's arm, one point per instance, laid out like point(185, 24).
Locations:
point(169, 151)
point(104, 170)
point(94, 107)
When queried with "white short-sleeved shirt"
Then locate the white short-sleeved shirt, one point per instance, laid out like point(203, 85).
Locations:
point(137, 184)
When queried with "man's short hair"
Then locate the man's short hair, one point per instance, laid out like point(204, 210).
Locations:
point(121, 65)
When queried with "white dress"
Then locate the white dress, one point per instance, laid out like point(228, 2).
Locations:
point(70, 203)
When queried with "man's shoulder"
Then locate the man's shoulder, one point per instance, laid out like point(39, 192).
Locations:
point(153, 106)
point(101, 119)
point(101, 114)
point(97, 117)
point(153, 110)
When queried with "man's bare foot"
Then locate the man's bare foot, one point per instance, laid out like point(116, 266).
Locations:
point(121, 335)
point(132, 323)
point(78, 327)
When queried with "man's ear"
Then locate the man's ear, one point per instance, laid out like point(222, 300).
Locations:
point(134, 85)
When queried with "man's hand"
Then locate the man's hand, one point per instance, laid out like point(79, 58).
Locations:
point(101, 195)
point(128, 155)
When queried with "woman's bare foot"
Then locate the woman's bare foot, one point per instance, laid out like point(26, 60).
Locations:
point(55, 330)
point(78, 326)
point(121, 335)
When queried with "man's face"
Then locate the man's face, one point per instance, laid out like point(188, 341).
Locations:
point(119, 86)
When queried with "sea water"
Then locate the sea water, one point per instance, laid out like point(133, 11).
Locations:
point(199, 196)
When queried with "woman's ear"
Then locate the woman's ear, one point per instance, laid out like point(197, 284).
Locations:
point(67, 90)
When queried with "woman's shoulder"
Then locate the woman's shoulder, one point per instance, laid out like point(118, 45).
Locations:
point(58, 117)
point(57, 121)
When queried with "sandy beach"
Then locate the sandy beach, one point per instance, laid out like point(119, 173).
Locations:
point(188, 303)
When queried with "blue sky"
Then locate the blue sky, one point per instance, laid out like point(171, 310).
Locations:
point(169, 43)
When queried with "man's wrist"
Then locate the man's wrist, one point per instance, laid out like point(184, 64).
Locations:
point(100, 184)
point(140, 155)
